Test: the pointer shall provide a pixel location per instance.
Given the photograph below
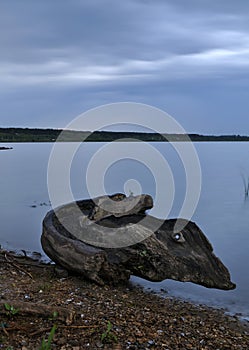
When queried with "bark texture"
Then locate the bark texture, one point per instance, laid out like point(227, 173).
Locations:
point(107, 239)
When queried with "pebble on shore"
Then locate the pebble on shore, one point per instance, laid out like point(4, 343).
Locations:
point(123, 317)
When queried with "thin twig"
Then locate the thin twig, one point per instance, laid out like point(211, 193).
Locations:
point(47, 329)
point(5, 331)
point(30, 263)
point(18, 328)
point(17, 267)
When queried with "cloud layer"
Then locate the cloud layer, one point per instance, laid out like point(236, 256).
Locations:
point(98, 47)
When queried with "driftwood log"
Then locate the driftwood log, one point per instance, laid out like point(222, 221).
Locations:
point(110, 238)
point(38, 309)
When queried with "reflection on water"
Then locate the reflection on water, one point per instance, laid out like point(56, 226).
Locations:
point(222, 212)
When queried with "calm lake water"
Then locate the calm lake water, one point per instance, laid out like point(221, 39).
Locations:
point(222, 212)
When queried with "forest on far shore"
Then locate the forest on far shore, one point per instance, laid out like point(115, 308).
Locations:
point(52, 135)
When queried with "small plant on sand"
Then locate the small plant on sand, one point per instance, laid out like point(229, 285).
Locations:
point(53, 316)
point(108, 336)
point(46, 344)
point(143, 253)
point(10, 310)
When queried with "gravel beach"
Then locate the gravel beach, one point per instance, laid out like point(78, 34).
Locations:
point(34, 299)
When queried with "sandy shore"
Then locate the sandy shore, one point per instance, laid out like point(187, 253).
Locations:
point(88, 316)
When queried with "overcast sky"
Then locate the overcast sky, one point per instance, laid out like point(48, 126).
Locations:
point(190, 58)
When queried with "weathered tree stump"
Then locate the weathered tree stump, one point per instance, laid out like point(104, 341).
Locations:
point(107, 239)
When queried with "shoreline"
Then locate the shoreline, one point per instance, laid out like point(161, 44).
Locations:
point(163, 291)
point(243, 318)
point(139, 319)
point(15, 134)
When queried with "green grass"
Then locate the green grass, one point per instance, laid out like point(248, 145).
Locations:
point(46, 344)
point(107, 336)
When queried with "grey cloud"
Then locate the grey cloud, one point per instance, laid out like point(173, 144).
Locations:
point(109, 30)
point(67, 73)
point(112, 50)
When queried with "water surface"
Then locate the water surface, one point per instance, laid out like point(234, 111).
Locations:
point(222, 212)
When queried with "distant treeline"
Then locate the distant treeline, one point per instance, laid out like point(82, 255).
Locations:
point(51, 135)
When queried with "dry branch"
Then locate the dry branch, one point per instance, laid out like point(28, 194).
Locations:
point(41, 310)
point(17, 267)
